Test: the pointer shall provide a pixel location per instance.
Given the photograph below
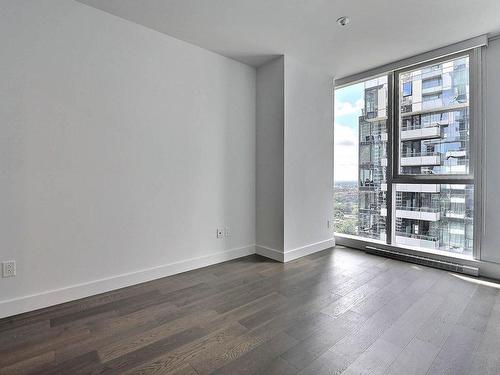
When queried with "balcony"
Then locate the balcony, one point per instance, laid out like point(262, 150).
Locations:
point(432, 103)
point(460, 199)
point(458, 187)
point(418, 132)
point(369, 208)
point(432, 90)
point(379, 114)
point(420, 158)
point(431, 73)
point(419, 188)
point(418, 213)
point(455, 215)
point(456, 154)
point(458, 169)
point(415, 240)
point(417, 108)
point(373, 137)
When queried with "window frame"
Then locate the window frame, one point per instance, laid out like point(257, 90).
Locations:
point(475, 49)
point(399, 178)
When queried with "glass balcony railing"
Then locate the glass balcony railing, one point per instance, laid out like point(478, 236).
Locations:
point(370, 206)
point(458, 153)
point(418, 209)
point(412, 154)
point(374, 137)
point(420, 126)
point(455, 214)
point(418, 236)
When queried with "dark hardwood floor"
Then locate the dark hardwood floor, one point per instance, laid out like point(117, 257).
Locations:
point(338, 311)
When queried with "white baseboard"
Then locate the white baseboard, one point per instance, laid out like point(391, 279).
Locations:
point(299, 252)
point(270, 253)
point(73, 292)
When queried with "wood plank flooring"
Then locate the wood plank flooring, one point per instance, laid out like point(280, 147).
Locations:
point(339, 311)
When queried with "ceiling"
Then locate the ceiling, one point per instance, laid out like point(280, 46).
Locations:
point(254, 31)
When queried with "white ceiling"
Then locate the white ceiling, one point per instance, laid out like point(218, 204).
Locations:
point(254, 31)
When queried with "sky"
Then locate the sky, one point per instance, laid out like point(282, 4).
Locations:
point(348, 103)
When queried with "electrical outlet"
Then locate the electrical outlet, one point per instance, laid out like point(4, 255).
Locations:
point(220, 233)
point(9, 268)
point(227, 231)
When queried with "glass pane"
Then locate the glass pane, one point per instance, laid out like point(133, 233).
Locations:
point(434, 119)
point(360, 160)
point(434, 217)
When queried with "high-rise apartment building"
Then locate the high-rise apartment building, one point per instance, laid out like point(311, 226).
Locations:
point(373, 137)
point(434, 126)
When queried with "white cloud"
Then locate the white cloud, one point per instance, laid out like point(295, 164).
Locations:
point(346, 108)
point(345, 142)
point(345, 135)
point(345, 153)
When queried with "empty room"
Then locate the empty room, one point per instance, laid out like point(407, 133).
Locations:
point(194, 187)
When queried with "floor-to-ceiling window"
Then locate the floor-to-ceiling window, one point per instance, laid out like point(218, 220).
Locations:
point(403, 158)
point(361, 159)
point(433, 131)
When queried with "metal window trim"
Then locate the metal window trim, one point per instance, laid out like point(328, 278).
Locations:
point(478, 151)
point(390, 156)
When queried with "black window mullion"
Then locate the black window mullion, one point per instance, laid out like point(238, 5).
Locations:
point(390, 158)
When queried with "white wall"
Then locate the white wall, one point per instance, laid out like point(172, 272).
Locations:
point(294, 159)
point(121, 151)
point(308, 159)
point(490, 249)
point(270, 158)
